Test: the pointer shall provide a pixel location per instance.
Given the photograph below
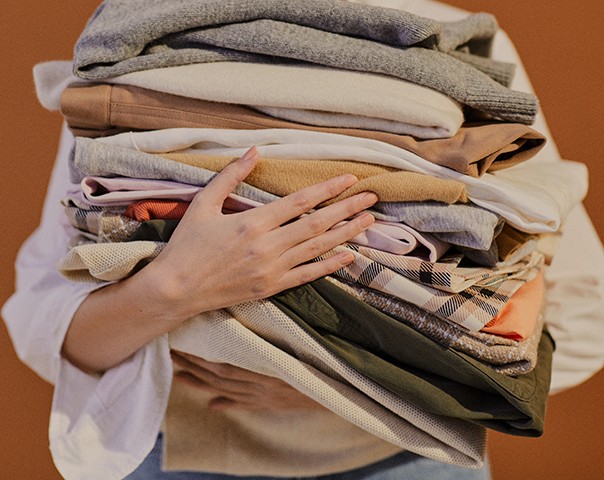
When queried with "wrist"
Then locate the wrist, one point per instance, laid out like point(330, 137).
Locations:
point(169, 297)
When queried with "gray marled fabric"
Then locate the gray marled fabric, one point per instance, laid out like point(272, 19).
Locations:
point(447, 74)
point(89, 157)
point(141, 34)
point(466, 225)
point(120, 29)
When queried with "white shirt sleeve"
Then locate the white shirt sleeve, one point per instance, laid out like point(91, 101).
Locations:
point(39, 312)
point(92, 416)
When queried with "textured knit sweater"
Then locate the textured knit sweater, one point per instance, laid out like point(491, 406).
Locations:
point(324, 32)
point(120, 29)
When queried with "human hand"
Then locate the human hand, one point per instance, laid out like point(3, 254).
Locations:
point(234, 387)
point(215, 260)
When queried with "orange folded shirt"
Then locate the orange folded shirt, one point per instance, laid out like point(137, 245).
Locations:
point(518, 318)
point(156, 209)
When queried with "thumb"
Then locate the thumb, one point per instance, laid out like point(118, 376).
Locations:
point(217, 190)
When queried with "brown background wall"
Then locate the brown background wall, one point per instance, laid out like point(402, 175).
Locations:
point(560, 43)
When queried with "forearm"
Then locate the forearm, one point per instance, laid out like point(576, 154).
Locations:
point(115, 321)
point(214, 261)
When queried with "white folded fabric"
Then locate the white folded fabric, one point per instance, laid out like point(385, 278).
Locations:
point(534, 197)
point(302, 93)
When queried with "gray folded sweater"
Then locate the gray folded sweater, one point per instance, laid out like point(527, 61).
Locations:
point(125, 36)
point(120, 29)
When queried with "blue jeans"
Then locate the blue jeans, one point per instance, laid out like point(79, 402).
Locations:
point(403, 466)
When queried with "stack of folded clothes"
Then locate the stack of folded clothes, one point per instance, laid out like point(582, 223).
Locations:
point(435, 330)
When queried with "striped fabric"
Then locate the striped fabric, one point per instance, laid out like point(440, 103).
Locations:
point(471, 308)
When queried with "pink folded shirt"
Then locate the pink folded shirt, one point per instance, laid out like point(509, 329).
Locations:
point(392, 237)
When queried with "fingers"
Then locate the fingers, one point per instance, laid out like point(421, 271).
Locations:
point(311, 228)
point(234, 387)
point(292, 206)
point(197, 375)
point(315, 246)
point(215, 193)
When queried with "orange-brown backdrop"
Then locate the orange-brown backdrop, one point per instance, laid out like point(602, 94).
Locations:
point(560, 43)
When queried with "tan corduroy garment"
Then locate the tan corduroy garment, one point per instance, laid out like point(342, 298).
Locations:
point(105, 109)
point(284, 176)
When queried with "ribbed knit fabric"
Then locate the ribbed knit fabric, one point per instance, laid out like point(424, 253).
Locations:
point(448, 75)
point(348, 36)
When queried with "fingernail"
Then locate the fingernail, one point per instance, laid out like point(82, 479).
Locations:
point(251, 153)
point(348, 180)
point(346, 258)
point(366, 220)
point(369, 198)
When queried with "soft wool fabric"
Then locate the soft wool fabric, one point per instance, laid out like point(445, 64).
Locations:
point(119, 30)
point(283, 177)
point(269, 38)
point(448, 75)
point(102, 109)
point(534, 197)
point(464, 225)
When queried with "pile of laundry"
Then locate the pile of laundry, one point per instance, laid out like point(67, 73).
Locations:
point(435, 331)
